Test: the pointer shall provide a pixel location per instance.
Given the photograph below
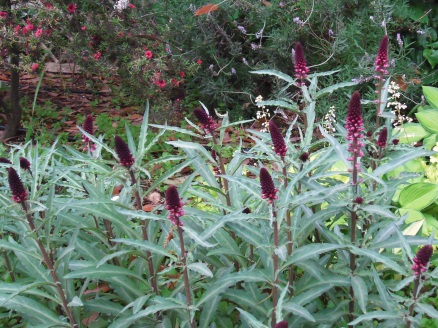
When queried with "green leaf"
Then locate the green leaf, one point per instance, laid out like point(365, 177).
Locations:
point(360, 292)
point(431, 95)
point(32, 310)
point(311, 294)
point(377, 257)
point(143, 131)
point(429, 119)
point(418, 196)
point(410, 132)
point(427, 309)
point(279, 103)
point(201, 268)
point(250, 319)
point(275, 73)
point(306, 252)
point(209, 312)
point(299, 310)
point(334, 87)
point(220, 285)
point(103, 272)
point(396, 162)
point(380, 315)
point(145, 245)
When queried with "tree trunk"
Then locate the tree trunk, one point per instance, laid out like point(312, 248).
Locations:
point(13, 109)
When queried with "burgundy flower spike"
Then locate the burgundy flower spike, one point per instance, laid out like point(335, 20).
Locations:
point(269, 191)
point(24, 163)
point(207, 122)
point(19, 194)
point(301, 68)
point(281, 324)
point(5, 160)
point(354, 126)
point(174, 205)
point(88, 127)
point(277, 139)
point(382, 62)
point(383, 136)
point(123, 152)
point(421, 261)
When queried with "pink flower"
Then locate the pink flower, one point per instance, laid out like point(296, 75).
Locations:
point(199, 61)
point(17, 29)
point(71, 8)
point(34, 66)
point(148, 54)
point(161, 83)
point(3, 14)
point(30, 26)
point(182, 74)
point(97, 55)
point(131, 6)
point(175, 82)
point(421, 261)
point(83, 28)
point(38, 32)
point(382, 63)
point(48, 5)
point(301, 68)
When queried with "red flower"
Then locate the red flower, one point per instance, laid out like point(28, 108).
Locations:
point(175, 82)
point(199, 61)
point(269, 191)
point(422, 259)
point(207, 122)
point(71, 8)
point(19, 194)
point(48, 5)
point(382, 62)
point(29, 26)
point(301, 68)
point(131, 6)
point(383, 136)
point(182, 74)
point(161, 83)
point(148, 54)
point(97, 55)
point(354, 126)
point(34, 66)
point(174, 205)
point(3, 14)
point(123, 152)
point(17, 29)
point(38, 32)
point(277, 139)
point(83, 28)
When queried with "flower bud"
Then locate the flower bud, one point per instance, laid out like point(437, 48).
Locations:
point(421, 261)
point(123, 152)
point(24, 163)
point(277, 139)
point(19, 194)
point(383, 136)
point(207, 122)
point(174, 205)
point(269, 191)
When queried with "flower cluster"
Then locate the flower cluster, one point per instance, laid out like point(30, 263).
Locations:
point(174, 206)
point(394, 91)
point(123, 152)
point(382, 63)
point(277, 139)
point(19, 194)
point(263, 114)
point(383, 137)
point(301, 68)
point(421, 261)
point(88, 127)
point(354, 127)
point(330, 120)
point(269, 191)
point(207, 122)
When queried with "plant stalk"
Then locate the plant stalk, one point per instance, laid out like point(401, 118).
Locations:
point(414, 297)
point(144, 224)
point(185, 275)
point(49, 264)
point(289, 230)
point(275, 259)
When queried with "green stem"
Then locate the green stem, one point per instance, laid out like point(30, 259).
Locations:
point(289, 229)
point(275, 259)
point(414, 300)
point(49, 264)
point(185, 275)
point(144, 224)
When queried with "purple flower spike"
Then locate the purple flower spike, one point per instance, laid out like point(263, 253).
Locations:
point(24, 163)
point(301, 68)
point(421, 261)
point(19, 194)
point(5, 160)
point(207, 122)
point(174, 206)
point(281, 324)
point(354, 125)
point(383, 136)
point(88, 127)
point(277, 139)
point(269, 191)
point(382, 62)
point(123, 152)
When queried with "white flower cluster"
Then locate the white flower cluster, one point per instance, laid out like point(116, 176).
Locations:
point(399, 119)
point(330, 120)
point(263, 114)
point(121, 5)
